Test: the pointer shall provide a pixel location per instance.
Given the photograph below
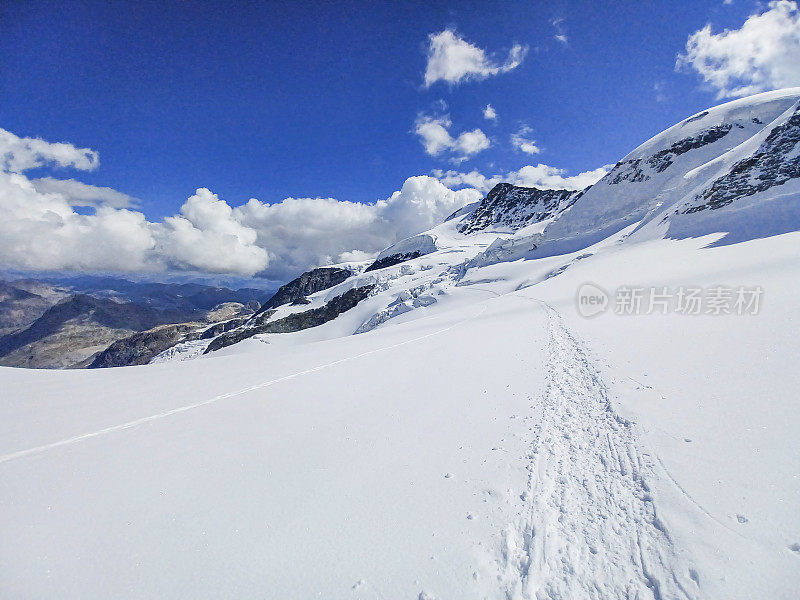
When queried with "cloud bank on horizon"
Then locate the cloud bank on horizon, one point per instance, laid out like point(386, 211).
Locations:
point(41, 230)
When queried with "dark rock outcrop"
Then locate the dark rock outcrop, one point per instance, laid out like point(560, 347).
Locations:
point(57, 328)
point(141, 348)
point(219, 328)
point(633, 170)
point(626, 170)
point(664, 158)
point(393, 259)
point(308, 283)
point(296, 321)
point(513, 207)
point(775, 162)
point(697, 117)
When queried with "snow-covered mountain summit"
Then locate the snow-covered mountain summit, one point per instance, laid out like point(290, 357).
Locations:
point(688, 166)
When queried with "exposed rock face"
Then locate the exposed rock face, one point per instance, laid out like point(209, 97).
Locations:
point(512, 207)
point(308, 283)
point(626, 170)
point(406, 249)
point(631, 170)
point(318, 316)
point(218, 328)
point(9, 292)
point(393, 259)
point(697, 117)
point(664, 158)
point(296, 321)
point(116, 315)
point(141, 348)
point(76, 328)
point(229, 310)
point(776, 162)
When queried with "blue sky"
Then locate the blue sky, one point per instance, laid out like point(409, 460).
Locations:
point(276, 100)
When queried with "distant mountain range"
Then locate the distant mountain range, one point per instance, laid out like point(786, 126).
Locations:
point(61, 323)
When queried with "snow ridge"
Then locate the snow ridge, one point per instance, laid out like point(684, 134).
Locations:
point(590, 528)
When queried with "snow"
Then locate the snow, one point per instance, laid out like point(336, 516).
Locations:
point(305, 469)
point(423, 243)
point(182, 351)
point(477, 438)
point(606, 208)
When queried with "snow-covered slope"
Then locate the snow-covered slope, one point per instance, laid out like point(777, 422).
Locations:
point(462, 431)
point(684, 160)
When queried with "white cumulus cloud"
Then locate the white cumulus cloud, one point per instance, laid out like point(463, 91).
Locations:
point(490, 113)
point(78, 193)
point(763, 54)
point(522, 141)
point(20, 154)
point(304, 232)
point(453, 59)
point(208, 236)
point(547, 177)
point(435, 137)
point(41, 230)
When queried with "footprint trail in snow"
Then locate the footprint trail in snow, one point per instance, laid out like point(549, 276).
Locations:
point(589, 528)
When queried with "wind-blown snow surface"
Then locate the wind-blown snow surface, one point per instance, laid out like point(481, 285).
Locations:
point(482, 441)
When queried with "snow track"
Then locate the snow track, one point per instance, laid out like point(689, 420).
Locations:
point(182, 409)
point(589, 526)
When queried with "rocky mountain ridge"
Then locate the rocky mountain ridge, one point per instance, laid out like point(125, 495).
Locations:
point(510, 208)
point(306, 284)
